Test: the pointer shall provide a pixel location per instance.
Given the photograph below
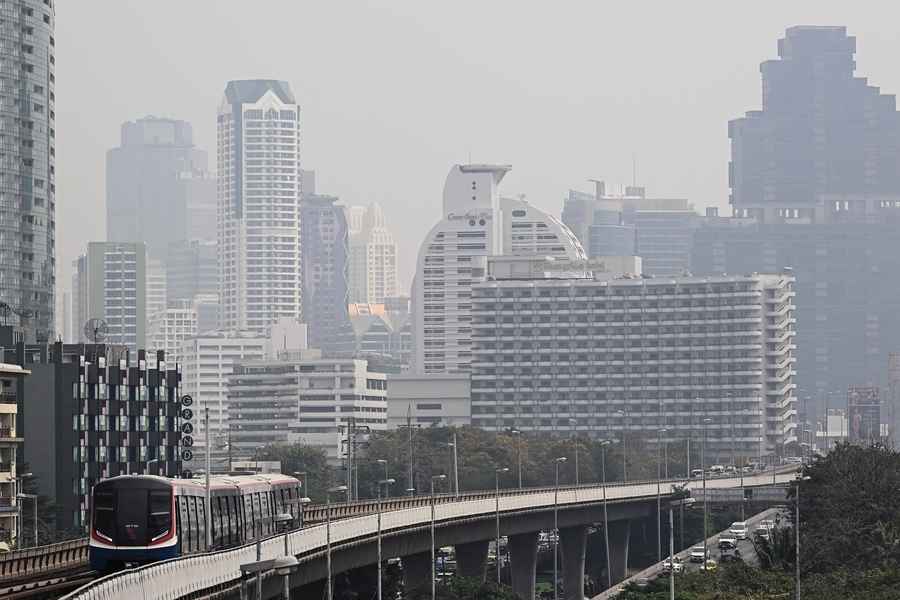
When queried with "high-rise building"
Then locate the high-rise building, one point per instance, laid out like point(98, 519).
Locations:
point(324, 243)
point(601, 355)
point(824, 139)
point(109, 282)
point(191, 270)
point(158, 189)
point(259, 190)
point(373, 257)
point(157, 298)
point(303, 397)
point(864, 414)
point(28, 165)
point(182, 319)
point(659, 230)
point(476, 224)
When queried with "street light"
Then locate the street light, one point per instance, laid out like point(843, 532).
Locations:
point(434, 478)
point(800, 479)
point(21, 519)
point(705, 499)
point(680, 498)
point(624, 416)
point(659, 433)
point(497, 513)
point(455, 466)
point(285, 564)
point(518, 435)
point(557, 462)
point(574, 424)
point(387, 483)
point(603, 446)
point(383, 462)
point(34, 500)
point(335, 490)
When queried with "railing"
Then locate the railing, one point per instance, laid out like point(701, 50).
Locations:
point(180, 577)
point(6, 432)
point(6, 501)
point(8, 398)
point(44, 559)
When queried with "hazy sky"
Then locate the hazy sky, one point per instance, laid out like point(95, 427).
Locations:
point(393, 93)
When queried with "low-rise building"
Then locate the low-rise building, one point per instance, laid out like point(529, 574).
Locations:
point(424, 400)
point(10, 376)
point(696, 356)
point(303, 397)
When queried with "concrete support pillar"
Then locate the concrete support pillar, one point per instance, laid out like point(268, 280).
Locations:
point(573, 543)
point(471, 559)
point(523, 563)
point(619, 540)
point(417, 571)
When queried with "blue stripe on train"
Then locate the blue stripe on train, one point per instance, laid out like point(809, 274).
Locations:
point(105, 559)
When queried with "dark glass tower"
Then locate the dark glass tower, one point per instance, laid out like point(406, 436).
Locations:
point(824, 138)
point(27, 166)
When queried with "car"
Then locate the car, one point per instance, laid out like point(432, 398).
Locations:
point(697, 473)
point(717, 470)
point(767, 524)
point(697, 554)
point(727, 558)
point(676, 565)
point(642, 583)
point(739, 530)
point(747, 469)
point(727, 542)
point(762, 533)
point(793, 460)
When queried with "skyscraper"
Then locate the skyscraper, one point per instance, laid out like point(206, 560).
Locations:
point(258, 215)
point(373, 257)
point(823, 139)
point(476, 223)
point(324, 258)
point(158, 190)
point(28, 165)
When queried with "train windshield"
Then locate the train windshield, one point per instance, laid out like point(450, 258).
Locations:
point(132, 513)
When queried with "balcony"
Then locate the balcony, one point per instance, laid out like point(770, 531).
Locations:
point(8, 398)
point(7, 435)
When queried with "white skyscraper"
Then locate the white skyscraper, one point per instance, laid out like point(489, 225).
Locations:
point(259, 188)
point(373, 256)
point(477, 223)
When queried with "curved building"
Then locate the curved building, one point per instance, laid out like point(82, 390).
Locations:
point(28, 165)
point(477, 223)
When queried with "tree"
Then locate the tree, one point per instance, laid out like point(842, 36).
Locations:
point(299, 458)
point(464, 588)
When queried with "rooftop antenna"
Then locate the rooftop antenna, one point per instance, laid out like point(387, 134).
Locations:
point(599, 188)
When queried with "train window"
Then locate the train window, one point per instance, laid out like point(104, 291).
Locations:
point(185, 523)
point(105, 514)
point(195, 525)
point(160, 518)
point(248, 517)
point(201, 523)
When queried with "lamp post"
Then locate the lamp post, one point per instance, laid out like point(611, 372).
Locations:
point(455, 465)
point(19, 517)
point(681, 498)
point(705, 499)
point(34, 500)
point(518, 435)
point(574, 424)
point(497, 513)
point(800, 479)
point(381, 461)
point(603, 446)
point(285, 565)
point(624, 416)
point(335, 490)
point(206, 484)
point(387, 483)
point(556, 462)
point(659, 433)
point(433, 479)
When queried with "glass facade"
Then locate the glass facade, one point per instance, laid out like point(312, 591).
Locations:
point(27, 163)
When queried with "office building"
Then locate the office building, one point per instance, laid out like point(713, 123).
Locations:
point(476, 224)
point(181, 320)
point(864, 414)
point(206, 363)
point(92, 412)
point(303, 397)
point(28, 166)
point(605, 355)
point(659, 230)
point(324, 243)
point(10, 439)
point(442, 400)
point(109, 282)
point(382, 334)
point(825, 138)
point(158, 189)
point(191, 270)
point(373, 257)
point(259, 189)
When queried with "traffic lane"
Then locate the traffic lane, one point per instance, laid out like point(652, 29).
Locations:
point(747, 551)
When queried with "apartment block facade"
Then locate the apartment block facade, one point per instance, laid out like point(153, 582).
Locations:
point(639, 355)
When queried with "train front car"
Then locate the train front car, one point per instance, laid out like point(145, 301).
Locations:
point(132, 522)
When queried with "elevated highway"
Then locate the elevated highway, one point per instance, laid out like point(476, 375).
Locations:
point(466, 522)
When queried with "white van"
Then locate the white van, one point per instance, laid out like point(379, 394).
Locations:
point(739, 530)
